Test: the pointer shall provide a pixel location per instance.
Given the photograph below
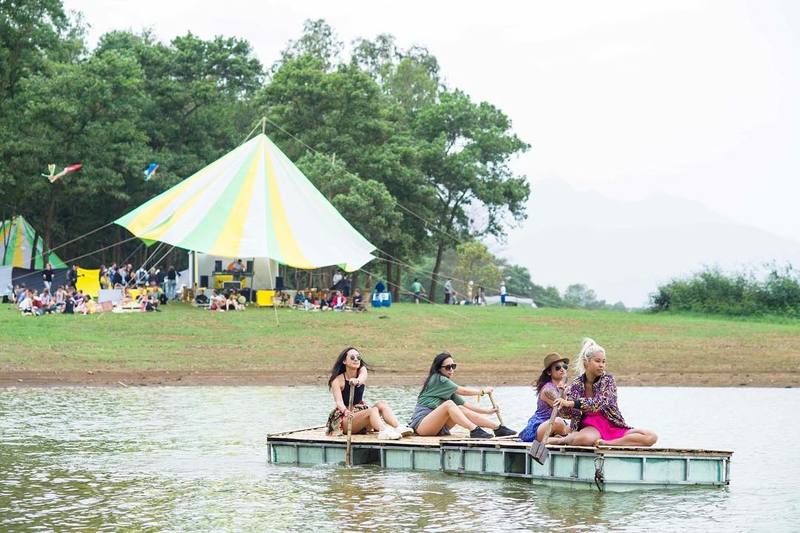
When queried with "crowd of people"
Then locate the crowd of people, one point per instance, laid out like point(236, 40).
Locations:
point(588, 402)
point(333, 300)
point(69, 300)
point(139, 290)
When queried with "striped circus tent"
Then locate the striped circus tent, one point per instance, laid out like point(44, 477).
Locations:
point(252, 202)
point(17, 242)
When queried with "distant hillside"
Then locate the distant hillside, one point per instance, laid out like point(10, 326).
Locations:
point(624, 250)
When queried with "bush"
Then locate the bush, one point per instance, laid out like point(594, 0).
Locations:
point(740, 294)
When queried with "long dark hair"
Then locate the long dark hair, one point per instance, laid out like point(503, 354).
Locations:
point(338, 366)
point(544, 378)
point(435, 366)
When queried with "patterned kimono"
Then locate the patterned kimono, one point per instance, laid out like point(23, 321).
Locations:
point(603, 400)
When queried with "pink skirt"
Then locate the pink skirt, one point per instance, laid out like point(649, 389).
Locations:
point(601, 424)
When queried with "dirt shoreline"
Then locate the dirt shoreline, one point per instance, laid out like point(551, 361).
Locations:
point(496, 377)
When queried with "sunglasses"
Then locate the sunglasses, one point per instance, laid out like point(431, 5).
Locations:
point(450, 367)
point(560, 367)
point(354, 357)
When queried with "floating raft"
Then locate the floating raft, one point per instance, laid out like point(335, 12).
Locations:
point(606, 468)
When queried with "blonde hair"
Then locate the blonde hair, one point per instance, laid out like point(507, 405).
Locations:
point(588, 348)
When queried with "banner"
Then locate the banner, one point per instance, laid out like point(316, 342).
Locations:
point(89, 281)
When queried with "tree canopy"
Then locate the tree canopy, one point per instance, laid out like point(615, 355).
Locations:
point(417, 166)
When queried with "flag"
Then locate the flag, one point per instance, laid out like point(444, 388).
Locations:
point(150, 172)
point(67, 170)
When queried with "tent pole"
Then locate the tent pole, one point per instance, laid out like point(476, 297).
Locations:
point(194, 270)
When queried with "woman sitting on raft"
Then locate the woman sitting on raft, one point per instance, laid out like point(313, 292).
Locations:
point(440, 406)
point(350, 370)
point(549, 386)
point(591, 404)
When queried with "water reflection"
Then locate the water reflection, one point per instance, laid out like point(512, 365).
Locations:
point(194, 459)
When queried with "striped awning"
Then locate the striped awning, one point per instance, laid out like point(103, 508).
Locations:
point(252, 202)
point(17, 245)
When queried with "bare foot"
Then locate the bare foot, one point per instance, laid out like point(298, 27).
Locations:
point(555, 440)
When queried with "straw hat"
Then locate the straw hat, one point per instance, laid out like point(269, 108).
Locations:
point(554, 357)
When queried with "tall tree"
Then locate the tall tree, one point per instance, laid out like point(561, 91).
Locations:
point(466, 154)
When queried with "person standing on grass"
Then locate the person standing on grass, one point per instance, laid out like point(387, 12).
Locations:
point(549, 387)
point(171, 283)
point(350, 370)
point(47, 276)
point(591, 405)
point(440, 406)
point(503, 293)
point(72, 277)
point(448, 291)
point(418, 291)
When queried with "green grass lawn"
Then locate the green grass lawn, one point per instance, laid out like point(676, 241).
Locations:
point(650, 348)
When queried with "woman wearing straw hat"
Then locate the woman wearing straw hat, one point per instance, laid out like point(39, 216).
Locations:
point(591, 405)
point(548, 389)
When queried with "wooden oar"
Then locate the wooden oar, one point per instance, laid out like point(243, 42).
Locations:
point(494, 405)
point(538, 450)
point(348, 451)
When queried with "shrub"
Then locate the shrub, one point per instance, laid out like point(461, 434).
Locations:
point(742, 294)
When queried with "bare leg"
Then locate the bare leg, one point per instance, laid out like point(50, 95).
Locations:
point(634, 437)
point(479, 419)
point(367, 419)
point(559, 428)
point(387, 413)
point(585, 437)
point(446, 413)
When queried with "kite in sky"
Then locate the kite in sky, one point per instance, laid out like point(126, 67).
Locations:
point(151, 171)
point(52, 176)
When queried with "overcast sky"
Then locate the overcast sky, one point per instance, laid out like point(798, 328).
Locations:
point(694, 99)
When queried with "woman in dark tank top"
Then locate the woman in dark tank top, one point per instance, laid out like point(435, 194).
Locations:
point(350, 370)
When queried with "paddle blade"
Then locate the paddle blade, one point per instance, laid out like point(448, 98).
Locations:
point(538, 451)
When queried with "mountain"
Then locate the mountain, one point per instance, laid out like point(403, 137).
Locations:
point(625, 250)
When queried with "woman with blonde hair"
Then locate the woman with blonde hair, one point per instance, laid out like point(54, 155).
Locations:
point(591, 405)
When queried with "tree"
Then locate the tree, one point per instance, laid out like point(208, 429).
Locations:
point(579, 295)
point(30, 32)
point(518, 280)
point(466, 148)
point(477, 264)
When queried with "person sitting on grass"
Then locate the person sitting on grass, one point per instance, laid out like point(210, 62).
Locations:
point(358, 301)
point(350, 370)
point(591, 405)
point(87, 306)
point(60, 299)
point(232, 303)
point(25, 302)
point(325, 302)
point(339, 302)
point(549, 386)
point(218, 302)
point(440, 406)
point(299, 298)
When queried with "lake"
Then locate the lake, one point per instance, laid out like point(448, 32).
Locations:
point(194, 458)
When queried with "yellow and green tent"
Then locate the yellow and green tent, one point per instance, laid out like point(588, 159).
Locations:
point(17, 239)
point(252, 202)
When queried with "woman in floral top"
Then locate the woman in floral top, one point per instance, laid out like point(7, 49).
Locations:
point(591, 405)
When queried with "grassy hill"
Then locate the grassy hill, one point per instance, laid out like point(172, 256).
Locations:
point(491, 344)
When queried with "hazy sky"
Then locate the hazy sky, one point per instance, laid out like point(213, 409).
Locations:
point(693, 99)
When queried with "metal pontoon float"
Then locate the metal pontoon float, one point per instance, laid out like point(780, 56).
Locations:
point(607, 468)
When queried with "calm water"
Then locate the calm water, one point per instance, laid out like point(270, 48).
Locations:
point(194, 459)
